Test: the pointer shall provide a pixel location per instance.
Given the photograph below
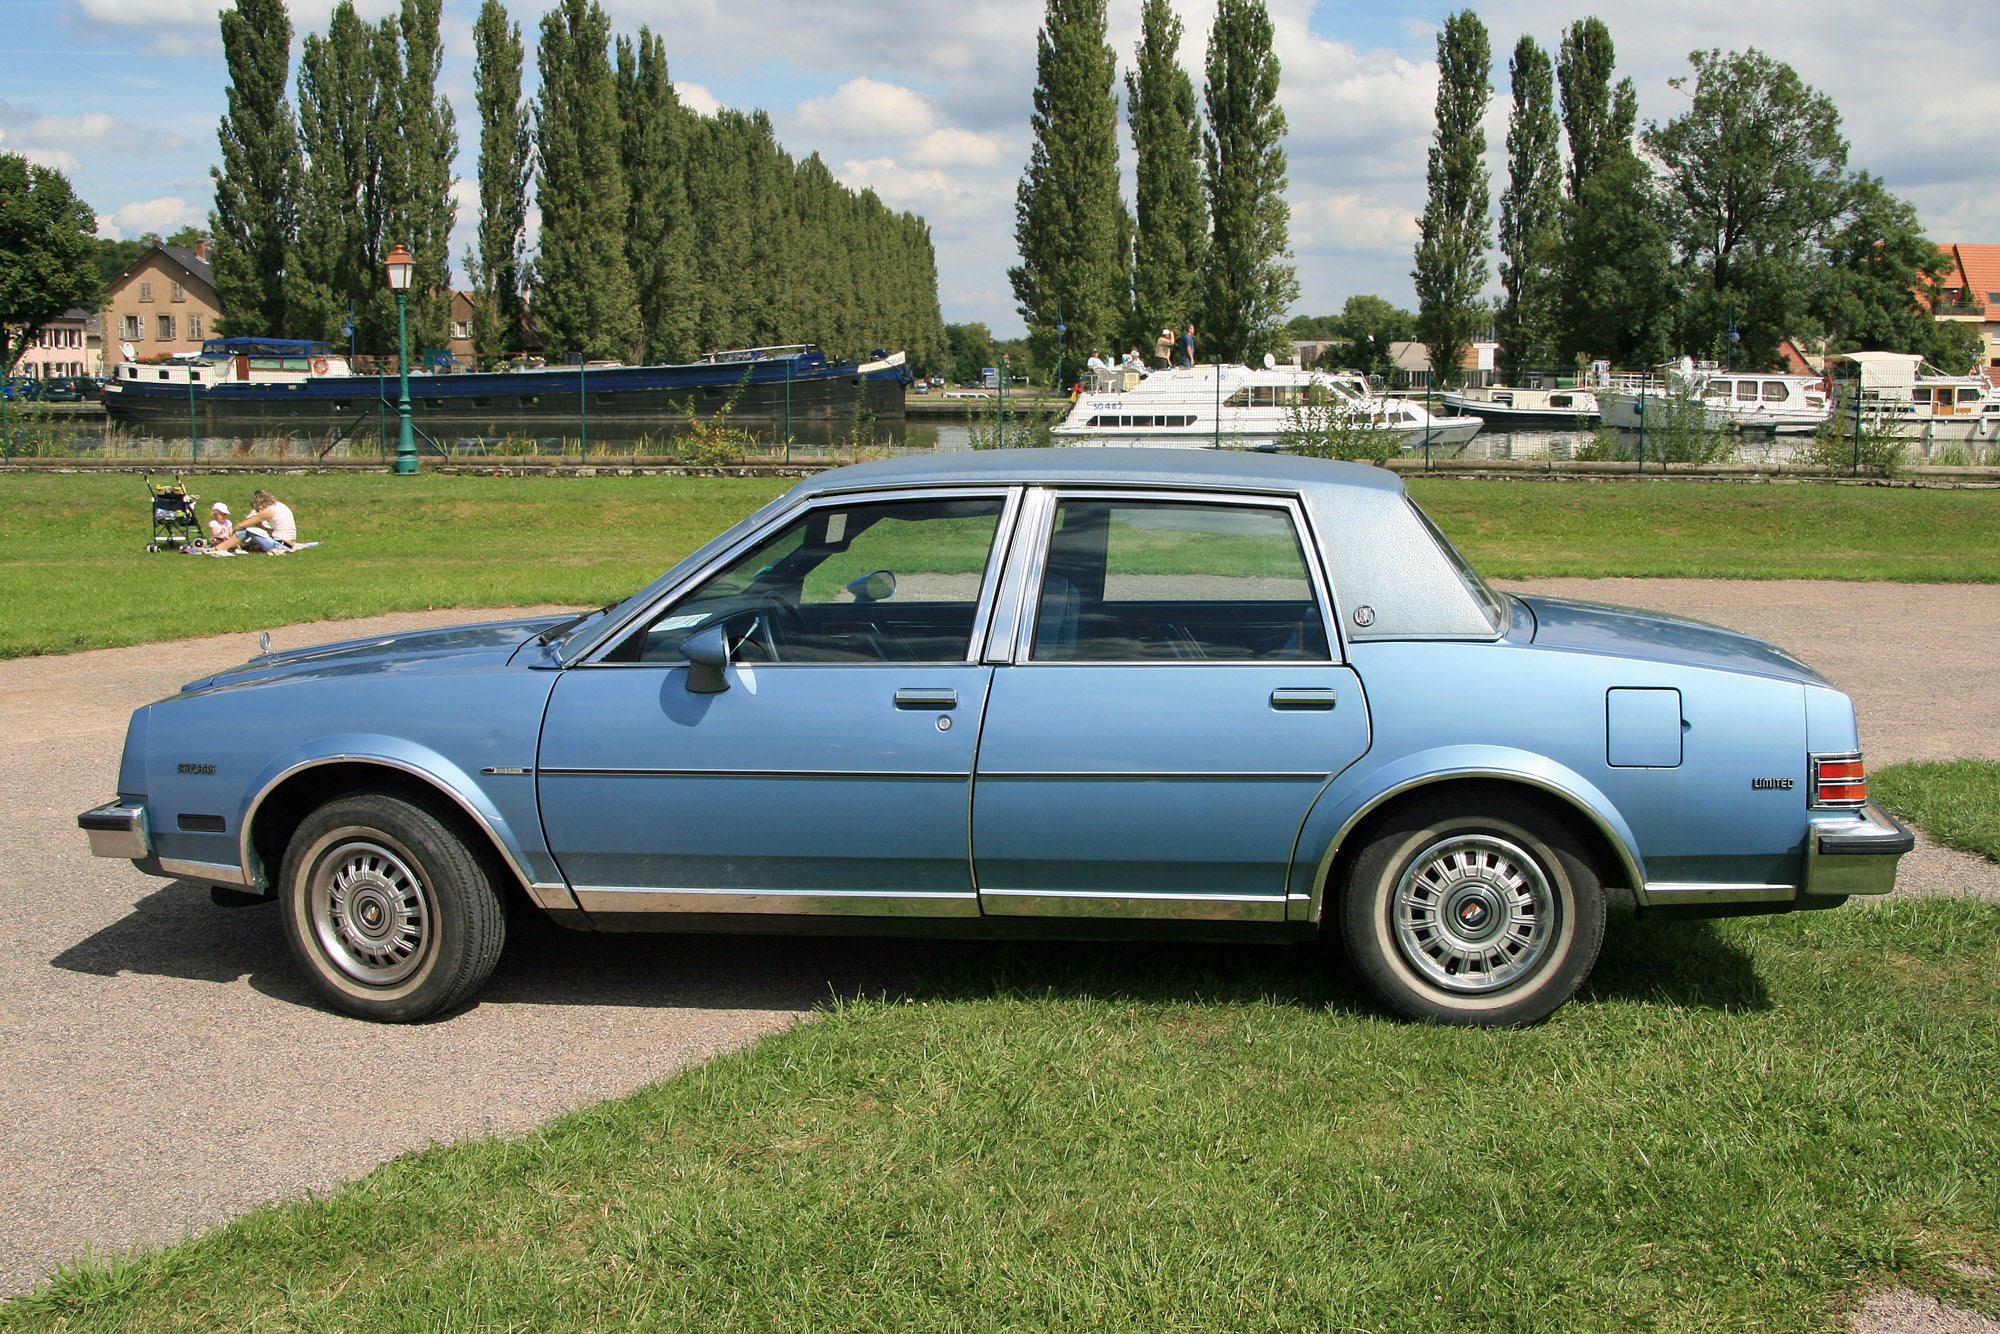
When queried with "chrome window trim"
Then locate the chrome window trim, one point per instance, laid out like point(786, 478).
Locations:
point(1302, 534)
point(1028, 537)
point(246, 853)
point(1009, 495)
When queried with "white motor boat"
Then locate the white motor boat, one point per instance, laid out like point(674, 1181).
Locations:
point(1899, 392)
point(1242, 407)
point(1502, 405)
point(1730, 400)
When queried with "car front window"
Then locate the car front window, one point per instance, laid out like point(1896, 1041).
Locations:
point(889, 581)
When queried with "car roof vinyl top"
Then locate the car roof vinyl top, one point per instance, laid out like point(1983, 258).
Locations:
point(1105, 465)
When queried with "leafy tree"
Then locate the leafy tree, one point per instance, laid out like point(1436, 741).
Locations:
point(337, 93)
point(254, 221)
point(1881, 278)
point(585, 301)
point(1616, 298)
point(1366, 332)
point(1066, 210)
point(1171, 242)
point(422, 216)
point(1596, 118)
point(114, 257)
point(968, 351)
point(48, 253)
point(659, 236)
point(1530, 218)
point(1451, 246)
point(505, 153)
point(1754, 174)
point(1248, 284)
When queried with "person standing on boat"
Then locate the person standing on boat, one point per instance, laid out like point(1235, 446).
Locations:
point(1187, 345)
point(1163, 350)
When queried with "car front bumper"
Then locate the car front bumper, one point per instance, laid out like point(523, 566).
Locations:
point(117, 830)
point(1854, 852)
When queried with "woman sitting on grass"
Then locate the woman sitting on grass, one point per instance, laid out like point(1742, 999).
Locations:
point(269, 527)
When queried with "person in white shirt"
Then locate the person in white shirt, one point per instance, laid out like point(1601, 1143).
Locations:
point(269, 527)
point(220, 529)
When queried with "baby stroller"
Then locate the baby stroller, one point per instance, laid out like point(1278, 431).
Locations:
point(175, 525)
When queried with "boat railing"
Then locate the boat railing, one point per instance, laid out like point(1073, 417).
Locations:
point(758, 353)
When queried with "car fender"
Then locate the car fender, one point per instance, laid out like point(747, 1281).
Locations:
point(409, 757)
point(1352, 795)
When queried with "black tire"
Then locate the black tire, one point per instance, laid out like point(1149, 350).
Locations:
point(1480, 911)
point(390, 914)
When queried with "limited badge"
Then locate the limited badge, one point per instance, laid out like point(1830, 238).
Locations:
point(1364, 616)
point(1775, 784)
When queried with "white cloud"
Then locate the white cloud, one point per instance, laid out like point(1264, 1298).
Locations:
point(165, 216)
point(66, 163)
point(697, 98)
point(91, 132)
point(1350, 222)
point(941, 197)
point(863, 109)
point(948, 147)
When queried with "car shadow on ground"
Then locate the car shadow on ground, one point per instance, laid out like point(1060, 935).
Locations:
point(177, 932)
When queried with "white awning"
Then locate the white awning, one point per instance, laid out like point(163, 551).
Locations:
point(1884, 370)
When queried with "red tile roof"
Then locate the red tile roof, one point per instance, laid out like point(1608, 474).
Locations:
point(1980, 266)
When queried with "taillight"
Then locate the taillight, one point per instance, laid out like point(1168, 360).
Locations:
point(1838, 780)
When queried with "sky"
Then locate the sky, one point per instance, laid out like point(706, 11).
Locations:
point(928, 104)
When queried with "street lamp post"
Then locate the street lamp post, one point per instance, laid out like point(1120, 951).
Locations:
point(401, 265)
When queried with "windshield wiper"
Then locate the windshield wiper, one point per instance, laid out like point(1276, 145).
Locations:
point(564, 627)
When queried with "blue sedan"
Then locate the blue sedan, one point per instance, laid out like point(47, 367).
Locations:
point(1077, 693)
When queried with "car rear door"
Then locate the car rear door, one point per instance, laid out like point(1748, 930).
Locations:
point(1166, 705)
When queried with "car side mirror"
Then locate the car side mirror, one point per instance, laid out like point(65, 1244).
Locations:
point(873, 586)
point(707, 654)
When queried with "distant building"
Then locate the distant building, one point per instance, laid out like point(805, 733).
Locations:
point(1412, 363)
point(164, 303)
point(67, 345)
point(1972, 296)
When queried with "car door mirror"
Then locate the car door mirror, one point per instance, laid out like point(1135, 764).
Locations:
point(873, 586)
point(707, 654)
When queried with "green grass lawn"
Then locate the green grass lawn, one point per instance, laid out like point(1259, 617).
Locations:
point(73, 572)
point(1957, 803)
point(1738, 1124)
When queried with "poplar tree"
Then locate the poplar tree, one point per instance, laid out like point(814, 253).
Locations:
point(336, 96)
point(1530, 218)
point(1066, 206)
point(1171, 243)
point(504, 153)
point(1248, 284)
point(658, 239)
point(254, 220)
point(1595, 117)
point(424, 214)
point(584, 298)
point(1451, 246)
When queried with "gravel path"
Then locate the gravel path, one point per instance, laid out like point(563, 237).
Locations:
point(162, 1068)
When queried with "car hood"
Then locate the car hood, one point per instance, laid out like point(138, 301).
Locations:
point(456, 647)
point(1627, 632)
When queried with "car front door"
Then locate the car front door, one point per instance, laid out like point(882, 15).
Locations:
point(831, 773)
point(1168, 708)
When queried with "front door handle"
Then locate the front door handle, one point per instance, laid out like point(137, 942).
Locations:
point(1302, 697)
point(926, 699)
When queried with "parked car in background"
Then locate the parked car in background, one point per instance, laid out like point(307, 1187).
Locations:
point(60, 389)
point(1075, 693)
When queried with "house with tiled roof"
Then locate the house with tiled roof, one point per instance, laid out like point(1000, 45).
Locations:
point(1972, 296)
point(163, 303)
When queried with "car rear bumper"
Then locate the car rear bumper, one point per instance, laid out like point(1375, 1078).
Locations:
point(1854, 852)
point(117, 830)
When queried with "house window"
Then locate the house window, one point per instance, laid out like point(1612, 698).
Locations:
point(166, 323)
point(128, 328)
point(145, 291)
point(1993, 298)
point(461, 328)
point(178, 294)
point(194, 326)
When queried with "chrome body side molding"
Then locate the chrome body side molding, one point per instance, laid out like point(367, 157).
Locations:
point(1149, 907)
point(795, 902)
point(212, 873)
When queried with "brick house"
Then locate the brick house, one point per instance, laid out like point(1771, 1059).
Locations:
point(1972, 296)
point(163, 303)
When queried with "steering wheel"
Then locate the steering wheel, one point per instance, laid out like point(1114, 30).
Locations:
point(776, 625)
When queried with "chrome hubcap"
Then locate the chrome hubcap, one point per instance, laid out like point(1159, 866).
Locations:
point(370, 913)
point(1473, 913)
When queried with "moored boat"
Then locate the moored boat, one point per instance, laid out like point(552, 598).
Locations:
point(1241, 407)
point(1502, 405)
point(267, 386)
point(1901, 393)
point(1730, 400)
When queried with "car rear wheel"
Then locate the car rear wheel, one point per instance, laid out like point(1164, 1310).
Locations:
point(390, 914)
point(1482, 912)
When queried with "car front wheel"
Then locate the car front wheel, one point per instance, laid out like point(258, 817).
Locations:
point(390, 914)
point(1481, 912)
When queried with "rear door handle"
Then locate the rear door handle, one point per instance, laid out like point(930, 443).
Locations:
point(926, 699)
point(1302, 697)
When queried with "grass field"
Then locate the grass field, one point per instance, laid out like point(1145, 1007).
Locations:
point(1744, 1124)
point(1956, 802)
point(73, 573)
